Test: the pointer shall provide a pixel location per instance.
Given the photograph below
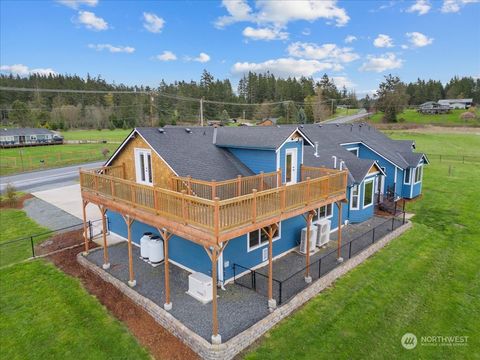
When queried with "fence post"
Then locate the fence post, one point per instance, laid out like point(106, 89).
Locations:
point(33, 248)
point(320, 268)
point(350, 249)
point(393, 222)
point(234, 272)
point(280, 292)
point(403, 218)
point(373, 235)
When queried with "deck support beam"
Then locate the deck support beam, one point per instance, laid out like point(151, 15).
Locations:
point(166, 237)
point(85, 235)
point(309, 218)
point(216, 338)
point(106, 263)
point(339, 233)
point(131, 277)
point(272, 303)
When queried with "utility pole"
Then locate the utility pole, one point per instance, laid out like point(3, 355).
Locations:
point(243, 115)
point(201, 111)
point(332, 108)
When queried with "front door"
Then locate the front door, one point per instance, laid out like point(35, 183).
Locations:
point(290, 166)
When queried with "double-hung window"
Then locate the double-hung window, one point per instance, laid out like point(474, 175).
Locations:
point(368, 193)
point(406, 176)
point(418, 174)
point(143, 166)
point(323, 212)
point(354, 195)
point(257, 238)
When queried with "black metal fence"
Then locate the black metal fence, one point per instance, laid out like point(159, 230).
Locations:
point(23, 248)
point(321, 265)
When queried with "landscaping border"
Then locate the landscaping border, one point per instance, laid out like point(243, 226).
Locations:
point(235, 345)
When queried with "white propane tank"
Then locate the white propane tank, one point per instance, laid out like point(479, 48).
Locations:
point(155, 249)
point(144, 240)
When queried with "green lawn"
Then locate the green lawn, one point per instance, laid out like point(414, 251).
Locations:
point(29, 158)
point(48, 315)
point(117, 135)
point(426, 282)
point(16, 224)
point(412, 116)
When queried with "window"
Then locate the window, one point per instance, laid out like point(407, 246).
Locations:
point(418, 174)
point(354, 197)
point(143, 166)
point(368, 193)
point(323, 212)
point(406, 176)
point(354, 151)
point(258, 238)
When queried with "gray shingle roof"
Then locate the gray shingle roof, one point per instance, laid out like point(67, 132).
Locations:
point(194, 153)
point(24, 131)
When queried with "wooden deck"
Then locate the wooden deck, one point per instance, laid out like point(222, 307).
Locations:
point(211, 212)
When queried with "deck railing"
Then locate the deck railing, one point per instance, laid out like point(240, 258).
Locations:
point(214, 216)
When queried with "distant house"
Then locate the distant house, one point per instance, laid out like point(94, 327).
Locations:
point(28, 137)
point(432, 107)
point(268, 121)
point(457, 103)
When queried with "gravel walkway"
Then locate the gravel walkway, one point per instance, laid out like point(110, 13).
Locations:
point(238, 307)
point(49, 215)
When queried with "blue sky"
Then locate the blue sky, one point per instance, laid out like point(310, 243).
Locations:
point(134, 42)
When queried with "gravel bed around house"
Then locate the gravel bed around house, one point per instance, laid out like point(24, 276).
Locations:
point(238, 307)
point(49, 215)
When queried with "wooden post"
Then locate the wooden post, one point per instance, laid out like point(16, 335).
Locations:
point(166, 237)
point(85, 236)
point(184, 208)
point(189, 184)
point(131, 279)
point(106, 263)
point(216, 338)
point(112, 188)
point(254, 206)
point(279, 177)
point(308, 278)
point(214, 189)
point(239, 185)
point(261, 181)
point(339, 240)
point(272, 304)
point(283, 195)
point(155, 198)
point(216, 217)
point(307, 192)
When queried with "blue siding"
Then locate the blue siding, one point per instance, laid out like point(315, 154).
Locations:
point(399, 185)
point(363, 213)
point(257, 160)
point(282, 152)
point(417, 189)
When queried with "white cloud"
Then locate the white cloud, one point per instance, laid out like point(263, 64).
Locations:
point(383, 41)
point(24, 70)
point(166, 56)
point(152, 22)
point(281, 13)
point(91, 21)
point(75, 4)
point(306, 31)
point(350, 38)
point(420, 6)
point(322, 52)
point(285, 67)
point(381, 63)
point(112, 48)
point(418, 39)
point(265, 34)
point(341, 81)
point(202, 58)
point(453, 6)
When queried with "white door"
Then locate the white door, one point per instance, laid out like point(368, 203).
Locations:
point(290, 166)
point(143, 166)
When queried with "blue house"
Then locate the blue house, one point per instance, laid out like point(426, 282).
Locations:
point(242, 195)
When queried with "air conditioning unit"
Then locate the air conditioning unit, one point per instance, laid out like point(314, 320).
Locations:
point(313, 239)
point(200, 287)
point(323, 232)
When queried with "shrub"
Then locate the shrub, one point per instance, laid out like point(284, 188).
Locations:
point(105, 152)
point(468, 116)
point(11, 195)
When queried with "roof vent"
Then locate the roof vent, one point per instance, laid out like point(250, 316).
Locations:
point(342, 164)
point(188, 130)
point(319, 125)
point(301, 126)
point(316, 149)
point(338, 125)
point(161, 130)
point(334, 161)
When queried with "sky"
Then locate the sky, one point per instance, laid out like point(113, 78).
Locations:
point(140, 43)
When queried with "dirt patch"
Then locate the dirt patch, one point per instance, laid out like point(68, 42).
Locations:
point(160, 342)
point(60, 241)
point(17, 204)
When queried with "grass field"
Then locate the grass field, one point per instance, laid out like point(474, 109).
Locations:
point(426, 282)
point(117, 135)
point(48, 315)
point(30, 158)
point(16, 224)
point(412, 116)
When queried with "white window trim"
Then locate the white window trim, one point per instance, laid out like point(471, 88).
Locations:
point(326, 217)
point(250, 249)
point(358, 197)
point(421, 176)
point(354, 148)
point(409, 177)
point(363, 192)
point(137, 166)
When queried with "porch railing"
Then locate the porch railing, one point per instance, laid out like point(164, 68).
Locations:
point(214, 216)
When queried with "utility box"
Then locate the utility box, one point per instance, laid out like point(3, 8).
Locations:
point(200, 287)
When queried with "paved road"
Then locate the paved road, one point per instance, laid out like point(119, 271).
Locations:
point(45, 179)
point(347, 119)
